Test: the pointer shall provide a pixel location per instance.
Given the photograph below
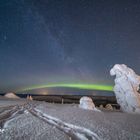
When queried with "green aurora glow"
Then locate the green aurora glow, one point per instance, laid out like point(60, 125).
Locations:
point(78, 86)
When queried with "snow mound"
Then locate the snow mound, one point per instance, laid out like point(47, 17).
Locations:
point(101, 106)
point(87, 103)
point(109, 107)
point(11, 95)
point(127, 87)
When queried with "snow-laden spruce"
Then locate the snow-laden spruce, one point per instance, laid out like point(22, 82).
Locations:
point(87, 103)
point(126, 88)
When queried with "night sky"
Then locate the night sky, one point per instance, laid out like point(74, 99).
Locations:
point(66, 41)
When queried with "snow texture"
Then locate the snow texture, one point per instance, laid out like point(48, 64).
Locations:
point(77, 132)
point(126, 88)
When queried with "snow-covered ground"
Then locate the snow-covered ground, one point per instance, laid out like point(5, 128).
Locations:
point(40, 120)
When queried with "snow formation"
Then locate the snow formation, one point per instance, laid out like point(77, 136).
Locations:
point(126, 88)
point(87, 103)
point(29, 97)
point(11, 95)
point(101, 106)
point(109, 107)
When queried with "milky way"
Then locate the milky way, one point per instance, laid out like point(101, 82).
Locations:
point(43, 42)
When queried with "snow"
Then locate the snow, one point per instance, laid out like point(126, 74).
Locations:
point(2, 130)
point(126, 88)
point(11, 95)
point(107, 125)
point(73, 130)
point(29, 97)
point(87, 103)
point(109, 107)
point(28, 127)
point(101, 106)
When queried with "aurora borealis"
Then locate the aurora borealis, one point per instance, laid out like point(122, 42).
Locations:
point(79, 86)
point(66, 43)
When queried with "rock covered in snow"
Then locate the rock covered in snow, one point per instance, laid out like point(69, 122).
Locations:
point(11, 95)
point(126, 88)
point(87, 103)
point(109, 107)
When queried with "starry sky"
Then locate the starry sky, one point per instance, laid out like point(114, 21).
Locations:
point(66, 41)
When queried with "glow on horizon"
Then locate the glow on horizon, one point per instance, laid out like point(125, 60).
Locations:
point(78, 86)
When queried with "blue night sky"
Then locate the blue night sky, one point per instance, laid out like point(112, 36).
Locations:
point(66, 41)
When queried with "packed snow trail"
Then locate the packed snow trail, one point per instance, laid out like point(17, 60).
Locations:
point(74, 132)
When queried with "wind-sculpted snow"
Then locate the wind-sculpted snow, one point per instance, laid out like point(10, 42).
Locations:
point(126, 88)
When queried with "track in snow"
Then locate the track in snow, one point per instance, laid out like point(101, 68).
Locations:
point(8, 114)
point(74, 132)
